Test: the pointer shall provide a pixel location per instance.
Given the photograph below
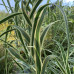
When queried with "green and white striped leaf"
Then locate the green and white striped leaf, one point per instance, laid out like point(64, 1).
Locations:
point(26, 36)
point(50, 57)
point(26, 16)
point(8, 28)
point(6, 32)
point(8, 17)
point(46, 30)
point(16, 54)
point(34, 8)
point(61, 67)
point(35, 24)
point(22, 41)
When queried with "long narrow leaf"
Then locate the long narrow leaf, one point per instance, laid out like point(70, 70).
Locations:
point(6, 32)
point(16, 54)
point(26, 16)
point(26, 36)
point(18, 64)
point(46, 30)
point(35, 25)
point(8, 17)
point(67, 32)
point(61, 67)
point(34, 8)
point(37, 43)
point(50, 57)
point(5, 5)
point(8, 44)
point(62, 52)
point(21, 39)
point(10, 6)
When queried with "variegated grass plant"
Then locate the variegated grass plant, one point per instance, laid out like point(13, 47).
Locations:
point(33, 43)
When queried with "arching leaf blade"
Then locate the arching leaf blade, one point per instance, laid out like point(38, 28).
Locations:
point(26, 36)
point(6, 32)
point(26, 16)
point(8, 17)
point(35, 24)
point(46, 30)
point(50, 57)
point(34, 8)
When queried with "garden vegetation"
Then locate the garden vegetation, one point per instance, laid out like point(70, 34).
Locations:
point(37, 39)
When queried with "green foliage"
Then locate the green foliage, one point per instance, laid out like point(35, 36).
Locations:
point(32, 43)
point(10, 16)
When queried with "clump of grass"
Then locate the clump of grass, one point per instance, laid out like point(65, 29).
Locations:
point(32, 42)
